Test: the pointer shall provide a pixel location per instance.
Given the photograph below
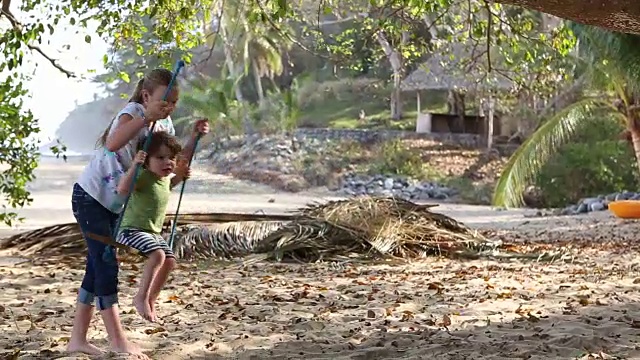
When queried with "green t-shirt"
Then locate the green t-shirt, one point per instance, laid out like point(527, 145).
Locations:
point(148, 203)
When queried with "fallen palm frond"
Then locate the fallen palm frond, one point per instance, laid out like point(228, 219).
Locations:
point(67, 238)
point(222, 240)
point(363, 228)
point(58, 236)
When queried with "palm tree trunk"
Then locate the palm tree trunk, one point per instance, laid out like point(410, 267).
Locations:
point(635, 139)
point(233, 71)
point(258, 81)
point(634, 131)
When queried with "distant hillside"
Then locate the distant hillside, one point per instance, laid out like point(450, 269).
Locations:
point(80, 130)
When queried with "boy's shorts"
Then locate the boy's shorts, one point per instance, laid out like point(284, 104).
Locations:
point(145, 242)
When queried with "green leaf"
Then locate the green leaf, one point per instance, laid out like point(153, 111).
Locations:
point(124, 77)
point(525, 163)
point(87, 39)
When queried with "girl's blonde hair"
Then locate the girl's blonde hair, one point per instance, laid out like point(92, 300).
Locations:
point(153, 79)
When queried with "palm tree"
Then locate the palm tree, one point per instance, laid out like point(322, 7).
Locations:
point(264, 48)
point(249, 48)
point(610, 60)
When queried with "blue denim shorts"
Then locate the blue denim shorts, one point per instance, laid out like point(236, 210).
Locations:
point(100, 282)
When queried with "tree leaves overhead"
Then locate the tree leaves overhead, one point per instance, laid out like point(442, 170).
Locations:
point(126, 64)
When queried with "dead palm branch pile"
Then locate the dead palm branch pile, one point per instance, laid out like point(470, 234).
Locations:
point(371, 227)
point(358, 228)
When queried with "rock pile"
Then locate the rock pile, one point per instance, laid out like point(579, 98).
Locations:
point(273, 160)
point(259, 153)
point(295, 164)
point(354, 185)
point(598, 203)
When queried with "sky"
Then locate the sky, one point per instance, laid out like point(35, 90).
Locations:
point(52, 94)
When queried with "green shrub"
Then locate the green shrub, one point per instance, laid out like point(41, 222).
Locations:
point(318, 94)
point(599, 129)
point(394, 158)
point(582, 170)
point(340, 103)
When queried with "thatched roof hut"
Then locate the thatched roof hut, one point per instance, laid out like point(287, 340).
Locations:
point(462, 68)
point(457, 68)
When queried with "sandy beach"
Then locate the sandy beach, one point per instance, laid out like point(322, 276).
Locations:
point(447, 309)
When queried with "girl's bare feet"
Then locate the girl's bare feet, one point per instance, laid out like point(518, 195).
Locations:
point(129, 348)
point(83, 347)
point(143, 308)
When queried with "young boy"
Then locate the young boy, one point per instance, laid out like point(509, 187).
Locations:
point(144, 216)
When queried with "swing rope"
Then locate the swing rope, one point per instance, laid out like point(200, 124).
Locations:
point(184, 182)
point(179, 66)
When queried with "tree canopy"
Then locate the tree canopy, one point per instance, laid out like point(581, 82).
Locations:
point(501, 41)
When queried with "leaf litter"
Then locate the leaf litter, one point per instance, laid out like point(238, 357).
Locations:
point(449, 308)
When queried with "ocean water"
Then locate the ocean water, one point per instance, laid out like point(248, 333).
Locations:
point(69, 153)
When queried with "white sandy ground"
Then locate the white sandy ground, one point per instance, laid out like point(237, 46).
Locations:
point(438, 308)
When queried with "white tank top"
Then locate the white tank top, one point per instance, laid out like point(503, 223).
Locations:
point(101, 176)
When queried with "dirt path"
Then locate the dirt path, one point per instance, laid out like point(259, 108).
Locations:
point(212, 192)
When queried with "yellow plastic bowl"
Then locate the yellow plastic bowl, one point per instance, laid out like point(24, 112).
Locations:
point(626, 209)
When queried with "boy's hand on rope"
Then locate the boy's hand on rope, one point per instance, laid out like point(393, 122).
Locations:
point(201, 127)
point(183, 171)
point(140, 157)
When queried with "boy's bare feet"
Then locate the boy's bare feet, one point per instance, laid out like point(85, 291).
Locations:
point(143, 308)
point(129, 348)
point(83, 347)
point(152, 306)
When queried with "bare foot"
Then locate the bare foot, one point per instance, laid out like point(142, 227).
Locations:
point(152, 306)
point(129, 348)
point(83, 347)
point(143, 308)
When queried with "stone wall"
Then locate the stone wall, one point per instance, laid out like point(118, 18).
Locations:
point(366, 136)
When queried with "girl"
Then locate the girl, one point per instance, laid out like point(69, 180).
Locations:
point(142, 222)
point(96, 204)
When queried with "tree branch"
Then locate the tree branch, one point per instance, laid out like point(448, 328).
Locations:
point(215, 35)
point(17, 26)
point(489, 28)
point(287, 36)
point(53, 62)
point(613, 15)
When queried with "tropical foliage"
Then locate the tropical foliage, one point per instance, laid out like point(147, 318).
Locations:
point(257, 40)
point(609, 62)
